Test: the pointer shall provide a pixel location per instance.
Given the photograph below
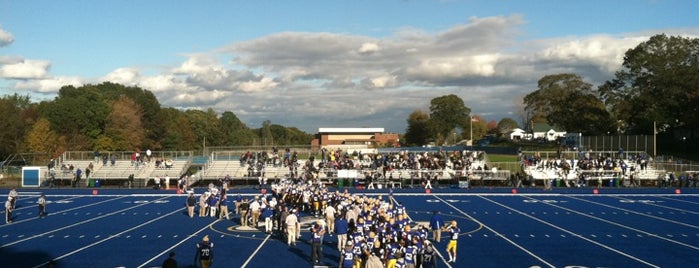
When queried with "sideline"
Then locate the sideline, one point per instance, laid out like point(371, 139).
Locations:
point(496, 232)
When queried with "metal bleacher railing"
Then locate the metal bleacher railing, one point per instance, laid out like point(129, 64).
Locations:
point(117, 167)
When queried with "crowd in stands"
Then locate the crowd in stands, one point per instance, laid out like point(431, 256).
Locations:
point(377, 165)
point(589, 165)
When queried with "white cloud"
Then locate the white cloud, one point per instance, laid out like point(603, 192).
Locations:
point(125, 76)
point(6, 37)
point(384, 81)
point(368, 48)
point(49, 85)
point(27, 69)
point(603, 50)
point(476, 65)
point(261, 85)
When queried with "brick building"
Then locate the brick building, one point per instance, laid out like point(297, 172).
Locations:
point(369, 137)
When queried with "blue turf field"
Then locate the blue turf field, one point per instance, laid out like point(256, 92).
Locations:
point(533, 228)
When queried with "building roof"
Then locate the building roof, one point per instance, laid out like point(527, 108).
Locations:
point(350, 130)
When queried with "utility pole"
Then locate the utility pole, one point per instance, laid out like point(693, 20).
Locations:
point(655, 133)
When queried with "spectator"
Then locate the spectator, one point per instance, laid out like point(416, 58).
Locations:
point(191, 202)
point(170, 262)
point(436, 223)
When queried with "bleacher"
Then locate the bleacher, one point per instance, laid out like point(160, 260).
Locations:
point(173, 170)
point(119, 172)
point(595, 177)
point(222, 168)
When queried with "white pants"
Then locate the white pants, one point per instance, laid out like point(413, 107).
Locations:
point(268, 224)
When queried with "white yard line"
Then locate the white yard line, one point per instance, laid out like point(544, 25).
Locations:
point(61, 211)
point(255, 252)
point(642, 214)
point(72, 225)
point(622, 226)
point(678, 200)
point(111, 236)
point(497, 233)
point(436, 249)
point(573, 233)
point(177, 244)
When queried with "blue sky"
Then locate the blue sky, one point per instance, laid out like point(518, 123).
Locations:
point(314, 64)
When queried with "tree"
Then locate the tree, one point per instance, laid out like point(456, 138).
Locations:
point(507, 124)
point(151, 118)
point(492, 128)
point(234, 131)
point(78, 114)
point(13, 126)
point(282, 135)
point(563, 99)
point(266, 134)
point(447, 114)
point(41, 138)
point(124, 127)
point(658, 82)
point(480, 127)
point(205, 126)
point(418, 130)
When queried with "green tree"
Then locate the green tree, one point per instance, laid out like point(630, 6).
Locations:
point(658, 82)
point(506, 124)
point(13, 126)
point(418, 130)
point(234, 131)
point(265, 134)
point(179, 134)
point(564, 100)
point(205, 126)
point(78, 114)
point(447, 114)
point(289, 135)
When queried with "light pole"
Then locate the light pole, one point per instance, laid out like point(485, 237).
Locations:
point(471, 118)
point(655, 133)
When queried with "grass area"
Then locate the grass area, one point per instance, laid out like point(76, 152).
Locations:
point(502, 158)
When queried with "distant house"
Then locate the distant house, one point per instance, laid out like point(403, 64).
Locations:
point(546, 132)
point(518, 134)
